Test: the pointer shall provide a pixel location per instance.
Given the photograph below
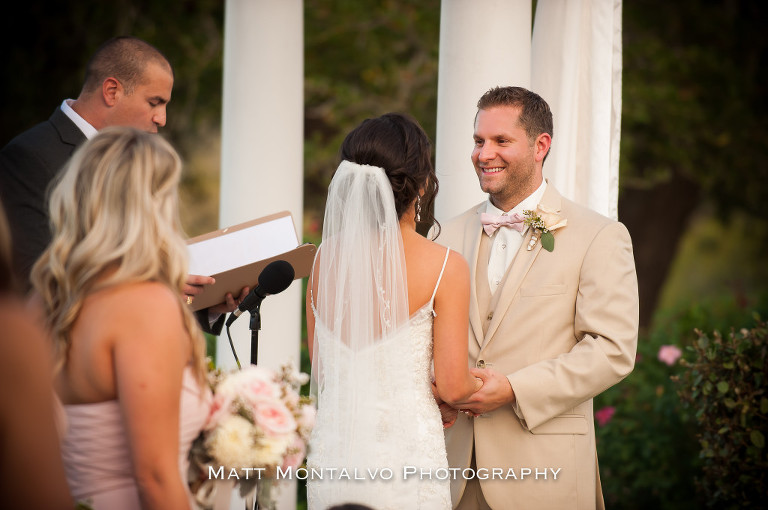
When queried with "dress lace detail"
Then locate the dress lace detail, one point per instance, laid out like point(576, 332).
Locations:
point(406, 440)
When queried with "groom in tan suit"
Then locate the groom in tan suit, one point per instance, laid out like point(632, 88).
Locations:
point(553, 321)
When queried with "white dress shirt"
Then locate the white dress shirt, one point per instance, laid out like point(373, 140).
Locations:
point(507, 241)
point(88, 130)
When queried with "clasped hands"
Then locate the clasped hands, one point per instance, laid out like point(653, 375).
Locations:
point(494, 393)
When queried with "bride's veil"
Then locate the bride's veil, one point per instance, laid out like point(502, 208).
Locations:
point(360, 302)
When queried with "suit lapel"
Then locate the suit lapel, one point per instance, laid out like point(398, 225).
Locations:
point(474, 230)
point(68, 131)
point(520, 266)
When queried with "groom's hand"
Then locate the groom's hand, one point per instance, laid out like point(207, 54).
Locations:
point(495, 392)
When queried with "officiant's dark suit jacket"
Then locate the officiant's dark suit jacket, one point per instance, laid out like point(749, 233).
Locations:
point(28, 164)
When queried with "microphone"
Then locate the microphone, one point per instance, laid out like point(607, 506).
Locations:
point(274, 278)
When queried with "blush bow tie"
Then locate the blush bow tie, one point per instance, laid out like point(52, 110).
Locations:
point(491, 223)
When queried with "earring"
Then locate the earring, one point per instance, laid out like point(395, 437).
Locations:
point(418, 208)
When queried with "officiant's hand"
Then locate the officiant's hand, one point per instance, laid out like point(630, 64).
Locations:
point(194, 286)
point(230, 302)
point(495, 392)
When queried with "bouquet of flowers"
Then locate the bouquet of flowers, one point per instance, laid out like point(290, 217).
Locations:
point(258, 424)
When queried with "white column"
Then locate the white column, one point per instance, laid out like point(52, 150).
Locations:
point(483, 44)
point(262, 159)
point(576, 68)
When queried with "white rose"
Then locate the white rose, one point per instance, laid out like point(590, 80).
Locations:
point(231, 442)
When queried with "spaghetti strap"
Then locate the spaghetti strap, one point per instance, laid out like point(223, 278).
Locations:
point(434, 292)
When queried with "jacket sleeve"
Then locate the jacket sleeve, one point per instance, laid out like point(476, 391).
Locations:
point(606, 327)
point(213, 328)
point(24, 181)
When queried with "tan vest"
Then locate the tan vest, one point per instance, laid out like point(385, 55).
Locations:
point(486, 299)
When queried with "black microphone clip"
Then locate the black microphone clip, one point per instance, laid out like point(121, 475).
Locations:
point(273, 279)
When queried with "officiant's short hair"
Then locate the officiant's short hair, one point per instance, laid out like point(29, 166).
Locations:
point(124, 58)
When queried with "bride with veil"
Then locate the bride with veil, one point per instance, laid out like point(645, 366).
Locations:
point(385, 307)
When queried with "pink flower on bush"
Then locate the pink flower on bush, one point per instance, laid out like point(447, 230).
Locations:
point(604, 415)
point(274, 418)
point(669, 354)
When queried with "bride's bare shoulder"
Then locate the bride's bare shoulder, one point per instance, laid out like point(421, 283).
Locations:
point(427, 257)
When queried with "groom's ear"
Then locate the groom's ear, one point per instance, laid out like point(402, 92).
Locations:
point(541, 147)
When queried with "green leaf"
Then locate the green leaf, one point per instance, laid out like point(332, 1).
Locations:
point(730, 403)
point(758, 439)
point(703, 342)
point(722, 387)
point(548, 241)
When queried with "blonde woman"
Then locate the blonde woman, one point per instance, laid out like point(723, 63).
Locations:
point(130, 357)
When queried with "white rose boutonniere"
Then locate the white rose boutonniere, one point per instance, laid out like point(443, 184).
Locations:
point(542, 223)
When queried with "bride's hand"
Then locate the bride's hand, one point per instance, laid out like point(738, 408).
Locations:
point(448, 415)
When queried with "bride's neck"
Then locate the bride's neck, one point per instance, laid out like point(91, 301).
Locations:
point(408, 220)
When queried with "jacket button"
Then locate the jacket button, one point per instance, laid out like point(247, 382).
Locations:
point(490, 316)
point(480, 363)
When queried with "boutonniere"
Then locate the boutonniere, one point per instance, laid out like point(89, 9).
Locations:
point(542, 223)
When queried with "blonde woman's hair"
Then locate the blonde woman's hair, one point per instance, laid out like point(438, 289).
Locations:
point(115, 220)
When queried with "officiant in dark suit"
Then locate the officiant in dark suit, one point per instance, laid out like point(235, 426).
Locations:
point(128, 82)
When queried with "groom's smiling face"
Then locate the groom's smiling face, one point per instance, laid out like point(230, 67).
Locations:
point(504, 157)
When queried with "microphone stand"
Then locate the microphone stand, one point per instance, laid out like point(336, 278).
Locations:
point(255, 326)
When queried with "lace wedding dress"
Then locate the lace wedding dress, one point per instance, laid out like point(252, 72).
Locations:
point(378, 438)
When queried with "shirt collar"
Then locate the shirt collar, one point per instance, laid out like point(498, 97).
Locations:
point(83, 125)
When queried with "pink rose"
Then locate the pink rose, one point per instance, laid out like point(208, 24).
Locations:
point(220, 409)
point(274, 418)
point(604, 415)
point(255, 385)
point(669, 354)
point(297, 452)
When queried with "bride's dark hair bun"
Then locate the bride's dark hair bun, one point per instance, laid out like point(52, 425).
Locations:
point(397, 143)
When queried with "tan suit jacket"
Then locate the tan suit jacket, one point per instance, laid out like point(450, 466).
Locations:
point(563, 327)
